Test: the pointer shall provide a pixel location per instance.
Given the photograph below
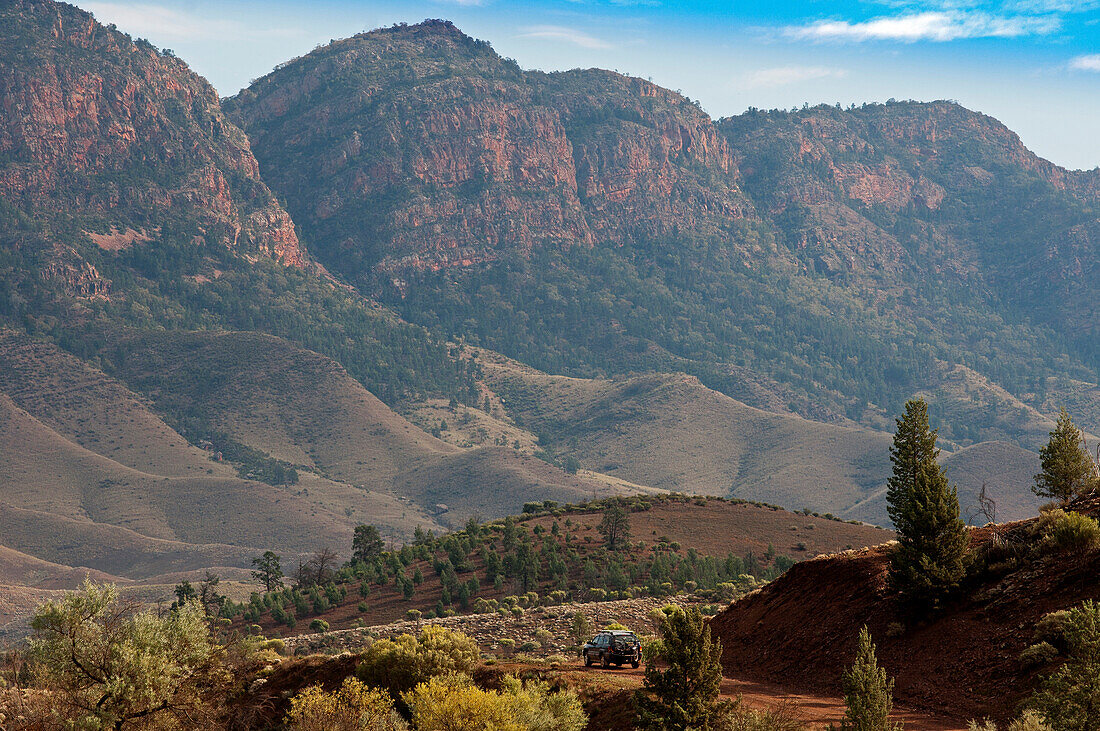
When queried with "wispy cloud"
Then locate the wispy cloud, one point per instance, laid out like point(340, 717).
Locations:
point(927, 26)
point(1089, 62)
point(564, 35)
point(785, 75)
point(167, 24)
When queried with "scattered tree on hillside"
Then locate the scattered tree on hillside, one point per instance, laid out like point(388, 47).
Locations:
point(685, 695)
point(184, 592)
point(914, 445)
point(269, 571)
point(366, 543)
point(1069, 698)
point(1068, 468)
point(317, 570)
point(615, 527)
point(932, 540)
point(209, 599)
point(111, 666)
point(868, 693)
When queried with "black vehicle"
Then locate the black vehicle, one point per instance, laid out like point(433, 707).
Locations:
point(613, 647)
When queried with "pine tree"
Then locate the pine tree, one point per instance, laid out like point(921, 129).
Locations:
point(615, 527)
point(1068, 469)
point(366, 543)
point(685, 696)
point(914, 445)
point(868, 693)
point(269, 571)
point(932, 540)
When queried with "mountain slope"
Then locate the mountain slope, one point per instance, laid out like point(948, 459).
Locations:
point(846, 258)
point(107, 134)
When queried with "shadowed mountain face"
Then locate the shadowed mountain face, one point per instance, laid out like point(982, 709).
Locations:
point(835, 261)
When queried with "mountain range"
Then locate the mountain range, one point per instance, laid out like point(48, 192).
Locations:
point(402, 281)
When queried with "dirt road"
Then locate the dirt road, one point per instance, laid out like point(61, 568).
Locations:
point(817, 712)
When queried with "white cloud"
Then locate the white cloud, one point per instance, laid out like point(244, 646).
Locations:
point(926, 26)
point(1090, 62)
point(166, 24)
point(565, 35)
point(785, 75)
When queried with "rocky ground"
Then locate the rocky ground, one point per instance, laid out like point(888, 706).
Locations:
point(490, 629)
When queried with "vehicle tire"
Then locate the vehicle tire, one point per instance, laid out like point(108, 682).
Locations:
point(634, 664)
point(605, 660)
point(587, 660)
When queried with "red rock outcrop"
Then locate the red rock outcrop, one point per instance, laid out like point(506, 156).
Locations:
point(418, 148)
point(96, 126)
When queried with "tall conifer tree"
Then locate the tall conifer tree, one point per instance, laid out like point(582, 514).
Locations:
point(932, 540)
point(1068, 469)
point(914, 446)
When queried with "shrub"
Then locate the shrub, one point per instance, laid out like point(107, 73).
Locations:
point(530, 646)
point(1041, 653)
point(1052, 628)
point(1067, 697)
point(107, 664)
point(399, 664)
point(1071, 532)
point(736, 716)
point(538, 709)
point(319, 625)
point(868, 692)
point(1028, 721)
point(508, 645)
point(453, 702)
point(354, 707)
point(544, 635)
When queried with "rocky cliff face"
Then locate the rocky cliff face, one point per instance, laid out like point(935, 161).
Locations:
point(104, 132)
point(418, 148)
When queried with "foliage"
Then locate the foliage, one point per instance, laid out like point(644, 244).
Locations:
point(454, 703)
point(914, 446)
point(868, 692)
point(401, 663)
point(685, 695)
point(1070, 531)
point(615, 527)
point(1069, 698)
point(928, 560)
point(1068, 468)
point(112, 666)
point(738, 717)
point(1041, 653)
point(366, 543)
point(269, 570)
point(1029, 720)
point(353, 707)
point(537, 708)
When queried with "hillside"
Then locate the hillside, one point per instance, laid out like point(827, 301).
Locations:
point(830, 262)
point(722, 547)
point(963, 662)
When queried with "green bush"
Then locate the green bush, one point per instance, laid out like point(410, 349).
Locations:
point(1071, 532)
point(1041, 653)
point(399, 664)
point(319, 625)
point(1051, 628)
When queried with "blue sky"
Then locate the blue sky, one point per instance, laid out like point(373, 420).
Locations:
point(1033, 64)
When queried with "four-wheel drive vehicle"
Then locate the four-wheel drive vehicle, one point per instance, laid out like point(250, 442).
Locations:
point(613, 647)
